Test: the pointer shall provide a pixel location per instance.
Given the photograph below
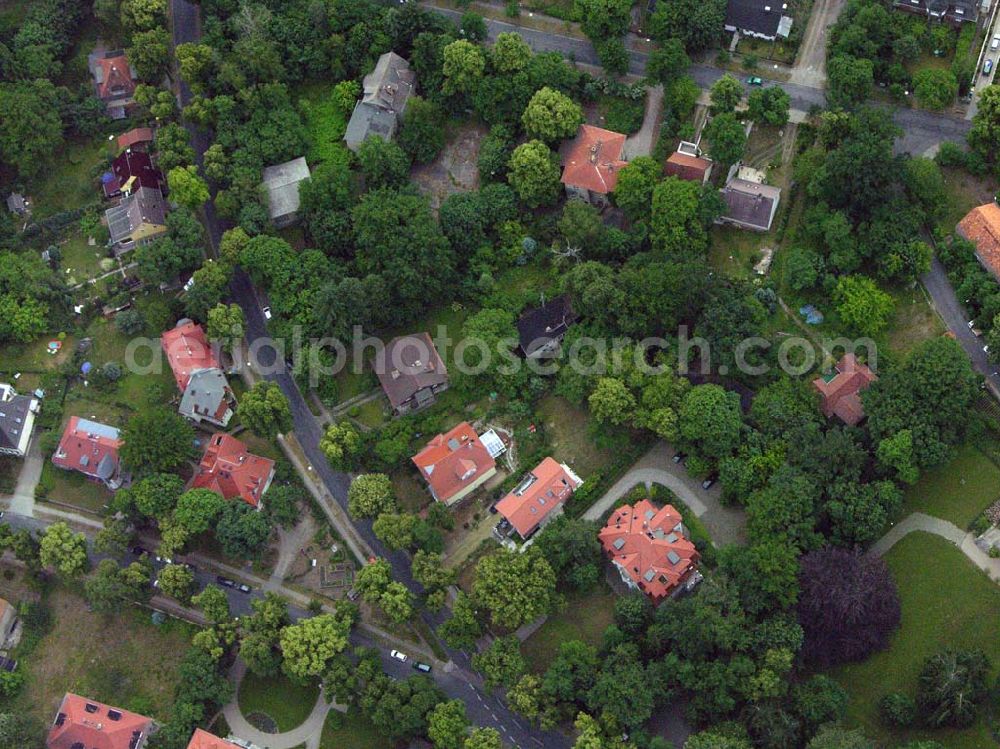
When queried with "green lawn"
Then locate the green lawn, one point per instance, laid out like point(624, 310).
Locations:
point(372, 414)
point(946, 602)
point(585, 618)
point(957, 491)
point(963, 192)
point(83, 261)
point(68, 182)
point(566, 427)
point(412, 494)
point(287, 703)
point(351, 730)
point(912, 321)
point(72, 488)
point(736, 251)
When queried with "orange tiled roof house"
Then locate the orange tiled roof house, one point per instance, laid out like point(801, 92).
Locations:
point(204, 740)
point(651, 550)
point(591, 163)
point(841, 390)
point(981, 226)
point(205, 392)
point(536, 500)
point(89, 724)
point(230, 470)
point(455, 464)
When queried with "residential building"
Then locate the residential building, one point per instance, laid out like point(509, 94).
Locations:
point(763, 19)
point(91, 448)
point(981, 226)
point(204, 740)
point(455, 464)
point(137, 138)
point(955, 12)
point(688, 163)
point(8, 620)
point(650, 549)
point(17, 421)
point(411, 372)
point(17, 204)
point(87, 724)
point(114, 81)
point(541, 329)
point(230, 470)
point(750, 205)
point(130, 170)
point(281, 182)
point(380, 110)
point(537, 499)
point(841, 389)
point(140, 218)
point(205, 392)
point(591, 163)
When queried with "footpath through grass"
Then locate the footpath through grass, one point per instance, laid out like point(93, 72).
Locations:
point(956, 491)
point(288, 704)
point(947, 603)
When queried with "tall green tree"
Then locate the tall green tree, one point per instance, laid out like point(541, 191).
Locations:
point(512, 603)
point(157, 440)
point(264, 410)
point(63, 550)
point(534, 174)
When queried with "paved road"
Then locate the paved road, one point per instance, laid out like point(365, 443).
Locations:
point(462, 682)
point(922, 130)
point(950, 308)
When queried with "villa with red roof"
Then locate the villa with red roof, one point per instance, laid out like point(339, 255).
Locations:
point(455, 464)
point(87, 724)
point(650, 548)
point(205, 740)
point(92, 449)
point(206, 395)
point(538, 499)
point(230, 470)
point(841, 390)
point(114, 81)
point(591, 163)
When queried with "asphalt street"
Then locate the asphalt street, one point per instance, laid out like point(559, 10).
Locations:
point(461, 682)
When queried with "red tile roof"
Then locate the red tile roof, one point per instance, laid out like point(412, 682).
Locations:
point(687, 167)
point(230, 470)
point(453, 461)
point(205, 740)
point(542, 491)
point(649, 546)
point(134, 136)
point(981, 226)
point(85, 723)
point(592, 160)
point(116, 80)
point(187, 350)
point(131, 170)
point(841, 394)
point(90, 448)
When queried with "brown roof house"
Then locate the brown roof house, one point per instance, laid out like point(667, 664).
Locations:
point(541, 329)
point(981, 226)
point(91, 448)
point(411, 372)
point(591, 163)
point(841, 389)
point(204, 740)
point(687, 163)
point(750, 204)
point(455, 464)
point(130, 170)
point(136, 138)
point(383, 101)
point(114, 80)
point(87, 724)
point(140, 218)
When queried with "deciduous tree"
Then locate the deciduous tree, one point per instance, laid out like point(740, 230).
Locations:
point(156, 440)
point(534, 174)
point(309, 646)
point(516, 587)
point(187, 187)
point(370, 495)
point(264, 409)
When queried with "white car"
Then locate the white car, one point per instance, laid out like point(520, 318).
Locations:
point(995, 42)
point(267, 313)
point(398, 656)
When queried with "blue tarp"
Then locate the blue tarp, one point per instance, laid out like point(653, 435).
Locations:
point(812, 315)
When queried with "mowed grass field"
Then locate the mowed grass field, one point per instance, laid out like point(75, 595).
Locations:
point(956, 491)
point(947, 602)
point(287, 703)
point(585, 617)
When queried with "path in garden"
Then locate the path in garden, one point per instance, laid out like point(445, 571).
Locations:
point(290, 543)
point(641, 144)
point(308, 733)
point(725, 524)
point(966, 542)
point(22, 502)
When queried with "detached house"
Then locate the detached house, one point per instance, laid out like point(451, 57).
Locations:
point(537, 499)
point(385, 92)
point(281, 183)
point(140, 218)
point(88, 724)
point(138, 138)
point(750, 205)
point(455, 464)
point(114, 81)
point(230, 470)
point(131, 170)
point(841, 390)
point(411, 372)
point(687, 163)
point(91, 448)
point(955, 12)
point(981, 226)
point(650, 549)
point(591, 163)
point(541, 329)
point(204, 740)
point(763, 19)
point(206, 395)
point(17, 420)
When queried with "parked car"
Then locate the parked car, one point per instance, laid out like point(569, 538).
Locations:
point(755, 80)
point(267, 313)
point(995, 42)
point(164, 560)
point(422, 667)
point(243, 588)
point(710, 481)
point(352, 594)
point(398, 655)
point(137, 550)
point(679, 457)
point(225, 582)
point(987, 67)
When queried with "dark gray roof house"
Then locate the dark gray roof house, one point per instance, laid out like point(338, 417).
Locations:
point(764, 19)
point(140, 217)
point(750, 205)
point(383, 101)
point(955, 12)
point(281, 182)
point(17, 418)
point(541, 329)
point(411, 372)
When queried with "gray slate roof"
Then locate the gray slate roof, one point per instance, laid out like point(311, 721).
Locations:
point(144, 206)
point(383, 101)
point(282, 184)
point(205, 392)
point(750, 204)
point(15, 417)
